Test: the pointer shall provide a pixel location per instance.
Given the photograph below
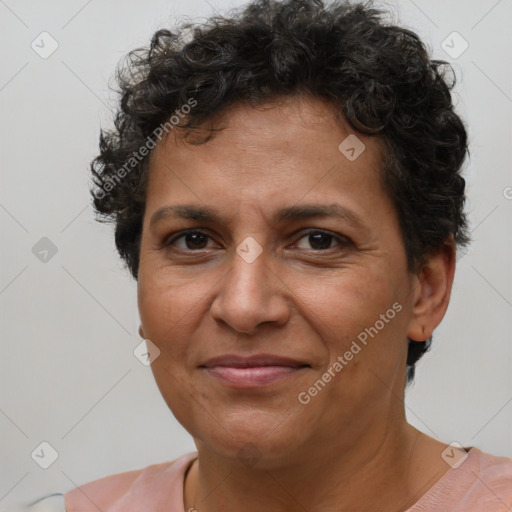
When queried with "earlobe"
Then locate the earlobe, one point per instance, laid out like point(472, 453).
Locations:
point(141, 332)
point(432, 292)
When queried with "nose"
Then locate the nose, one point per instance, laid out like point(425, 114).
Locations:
point(251, 294)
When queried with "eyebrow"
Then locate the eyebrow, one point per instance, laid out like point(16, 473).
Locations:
point(290, 213)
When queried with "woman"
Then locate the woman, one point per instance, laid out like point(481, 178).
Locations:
point(286, 191)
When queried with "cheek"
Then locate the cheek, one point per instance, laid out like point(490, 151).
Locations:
point(360, 318)
point(166, 311)
point(349, 301)
point(167, 314)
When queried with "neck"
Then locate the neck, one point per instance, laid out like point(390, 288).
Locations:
point(389, 471)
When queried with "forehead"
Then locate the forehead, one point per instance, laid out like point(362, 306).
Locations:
point(284, 121)
point(280, 152)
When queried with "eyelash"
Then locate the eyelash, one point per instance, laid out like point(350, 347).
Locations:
point(342, 241)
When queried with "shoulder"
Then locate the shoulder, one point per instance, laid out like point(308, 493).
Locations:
point(494, 474)
point(483, 482)
point(109, 492)
point(103, 492)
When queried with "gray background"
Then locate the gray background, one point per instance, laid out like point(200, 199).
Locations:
point(68, 375)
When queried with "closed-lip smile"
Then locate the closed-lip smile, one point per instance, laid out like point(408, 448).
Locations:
point(252, 371)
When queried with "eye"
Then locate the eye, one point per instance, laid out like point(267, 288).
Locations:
point(192, 240)
point(317, 240)
point(321, 240)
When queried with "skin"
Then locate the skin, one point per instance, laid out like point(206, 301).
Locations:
point(350, 448)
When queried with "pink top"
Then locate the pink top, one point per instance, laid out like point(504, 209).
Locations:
point(482, 483)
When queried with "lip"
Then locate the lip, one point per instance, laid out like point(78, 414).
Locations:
point(235, 361)
point(254, 371)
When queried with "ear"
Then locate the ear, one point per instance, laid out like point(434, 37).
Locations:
point(432, 287)
point(141, 332)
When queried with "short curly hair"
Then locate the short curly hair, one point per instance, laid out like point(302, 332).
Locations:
point(377, 76)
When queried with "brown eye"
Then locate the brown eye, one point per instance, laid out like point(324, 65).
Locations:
point(192, 240)
point(320, 240)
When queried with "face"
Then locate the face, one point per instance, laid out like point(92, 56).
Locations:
point(289, 249)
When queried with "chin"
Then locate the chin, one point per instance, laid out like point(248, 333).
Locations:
point(260, 444)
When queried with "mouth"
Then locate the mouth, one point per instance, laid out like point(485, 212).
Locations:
point(252, 372)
